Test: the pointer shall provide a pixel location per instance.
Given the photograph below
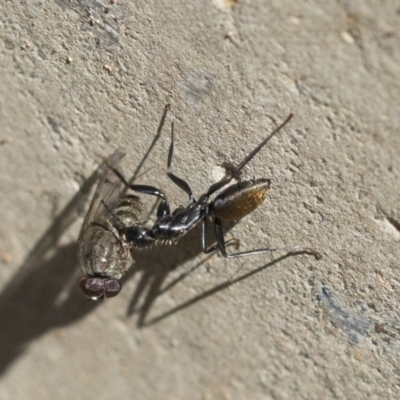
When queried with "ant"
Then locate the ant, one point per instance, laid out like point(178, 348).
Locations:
point(232, 204)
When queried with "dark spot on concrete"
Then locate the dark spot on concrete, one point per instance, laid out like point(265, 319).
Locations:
point(198, 85)
point(8, 43)
point(54, 125)
point(355, 326)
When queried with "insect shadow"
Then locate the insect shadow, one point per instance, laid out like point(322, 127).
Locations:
point(43, 294)
point(152, 279)
point(28, 304)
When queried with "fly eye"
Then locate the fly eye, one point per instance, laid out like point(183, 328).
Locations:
point(92, 287)
point(111, 288)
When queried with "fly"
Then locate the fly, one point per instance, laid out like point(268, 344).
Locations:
point(104, 253)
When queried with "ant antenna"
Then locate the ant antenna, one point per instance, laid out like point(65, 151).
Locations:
point(218, 185)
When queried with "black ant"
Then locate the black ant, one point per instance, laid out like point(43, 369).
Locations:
point(232, 204)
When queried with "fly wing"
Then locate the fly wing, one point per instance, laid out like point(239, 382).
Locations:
point(108, 189)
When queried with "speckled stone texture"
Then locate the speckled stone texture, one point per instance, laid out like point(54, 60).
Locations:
point(79, 80)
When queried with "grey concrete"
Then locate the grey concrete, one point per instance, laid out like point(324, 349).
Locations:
point(189, 326)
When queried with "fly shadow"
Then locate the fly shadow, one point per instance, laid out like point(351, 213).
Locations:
point(43, 294)
point(29, 304)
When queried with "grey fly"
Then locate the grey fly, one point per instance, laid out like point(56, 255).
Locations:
point(104, 253)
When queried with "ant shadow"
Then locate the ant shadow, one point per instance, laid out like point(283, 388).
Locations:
point(43, 294)
point(153, 276)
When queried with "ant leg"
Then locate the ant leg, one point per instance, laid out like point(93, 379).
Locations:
point(163, 208)
point(204, 226)
point(159, 130)
point(178, 181)
point(204, 230)
point(219, 233)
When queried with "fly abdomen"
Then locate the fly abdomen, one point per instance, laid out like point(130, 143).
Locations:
point(129, 210)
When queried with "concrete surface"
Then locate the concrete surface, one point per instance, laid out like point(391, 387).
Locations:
point(187, 325)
